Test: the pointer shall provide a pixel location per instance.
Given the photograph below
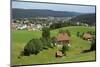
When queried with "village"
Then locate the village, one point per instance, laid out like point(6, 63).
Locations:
point(38, 23)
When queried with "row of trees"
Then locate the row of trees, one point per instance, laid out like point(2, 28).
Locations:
point(62, 24)
point(66, 24)
point(89, 19)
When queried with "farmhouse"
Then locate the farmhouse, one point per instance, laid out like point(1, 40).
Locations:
point(63, 38)
point(87, 36)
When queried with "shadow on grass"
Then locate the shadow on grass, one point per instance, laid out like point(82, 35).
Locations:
point(86, 51)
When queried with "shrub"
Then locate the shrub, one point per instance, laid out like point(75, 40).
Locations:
point(64, 49)
point(53, 40)
point(93, 45)
point(93, 33)
point(34, 46)
point(81, 35)
point(78, 34)
point(46, 43)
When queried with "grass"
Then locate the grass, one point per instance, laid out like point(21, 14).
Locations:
point(20, 39)
point(24, 36)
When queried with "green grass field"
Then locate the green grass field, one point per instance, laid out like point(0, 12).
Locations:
point(20, 39)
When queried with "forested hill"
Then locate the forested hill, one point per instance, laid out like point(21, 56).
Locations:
point(27, 13)
point(86, 18)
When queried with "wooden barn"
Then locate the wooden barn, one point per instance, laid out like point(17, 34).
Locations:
point(63, 38)
point(87, 36)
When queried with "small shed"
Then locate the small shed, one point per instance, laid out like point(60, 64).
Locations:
point(58, 54)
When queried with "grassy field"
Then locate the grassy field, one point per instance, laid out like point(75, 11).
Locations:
point(20, 39)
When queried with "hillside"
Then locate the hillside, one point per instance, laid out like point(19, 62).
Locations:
point(28, 13)
point(86, 18)
point(20, 38)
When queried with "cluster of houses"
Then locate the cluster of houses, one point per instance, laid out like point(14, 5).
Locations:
point(82, 24)
point(36, 23)
point(22, 26)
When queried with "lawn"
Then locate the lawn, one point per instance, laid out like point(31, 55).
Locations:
point(20, 39)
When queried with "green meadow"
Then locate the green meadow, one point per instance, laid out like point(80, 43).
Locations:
point(20, 39)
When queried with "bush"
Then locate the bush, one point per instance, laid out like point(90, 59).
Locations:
point(46, 43)
point(64, 49)
point(34, 46)
point(81, 35)
point(78, 34)
point(94, 33)
point(53, 40)
point(93, 45)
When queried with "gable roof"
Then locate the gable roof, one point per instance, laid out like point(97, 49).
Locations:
point(63, 37)
point(87, 35)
